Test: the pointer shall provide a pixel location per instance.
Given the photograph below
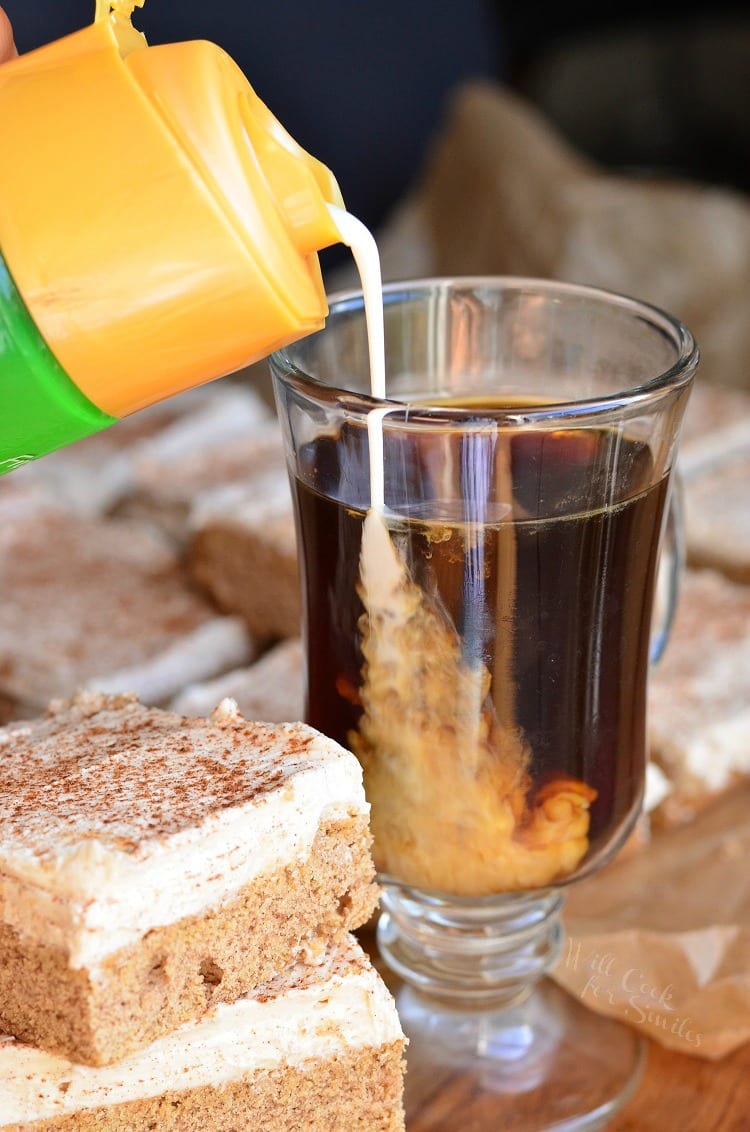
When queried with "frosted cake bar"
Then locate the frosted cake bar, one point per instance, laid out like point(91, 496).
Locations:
point(317, 1049)
point(94, 599)
point(699, 699)
point(153, 866)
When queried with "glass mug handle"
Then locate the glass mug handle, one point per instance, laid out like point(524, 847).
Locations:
point(669, 570)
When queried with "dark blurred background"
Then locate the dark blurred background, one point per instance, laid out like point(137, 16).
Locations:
point(648, 87)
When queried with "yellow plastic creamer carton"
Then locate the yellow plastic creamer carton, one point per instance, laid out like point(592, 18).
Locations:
point(158, 228)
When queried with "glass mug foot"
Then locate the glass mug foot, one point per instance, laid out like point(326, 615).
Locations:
point(492, 1045)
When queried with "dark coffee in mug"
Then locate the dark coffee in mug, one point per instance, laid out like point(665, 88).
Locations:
point(498, 702)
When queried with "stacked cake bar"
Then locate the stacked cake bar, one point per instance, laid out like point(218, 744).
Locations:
point(175, 898)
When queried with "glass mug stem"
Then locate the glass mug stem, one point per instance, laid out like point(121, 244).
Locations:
point(489, 954)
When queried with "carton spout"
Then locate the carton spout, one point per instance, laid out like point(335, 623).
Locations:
point(302, 186)
point(118, 14)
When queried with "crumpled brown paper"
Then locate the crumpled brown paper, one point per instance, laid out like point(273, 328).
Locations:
point(503, 193)
point(661, 939)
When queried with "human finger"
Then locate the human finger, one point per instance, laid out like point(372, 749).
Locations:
point(7, 46)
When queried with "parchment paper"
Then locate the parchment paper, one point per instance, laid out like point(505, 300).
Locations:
point(661, 939)
point(502, 192)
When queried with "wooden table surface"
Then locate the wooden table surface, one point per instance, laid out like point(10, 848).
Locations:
point(677, 1094)
point(687, 1094)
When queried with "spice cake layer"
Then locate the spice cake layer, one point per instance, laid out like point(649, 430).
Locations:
point(152, 866)
point(317, 1048)
point(243, 552)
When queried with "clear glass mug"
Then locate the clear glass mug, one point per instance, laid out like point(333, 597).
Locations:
point(480, 636)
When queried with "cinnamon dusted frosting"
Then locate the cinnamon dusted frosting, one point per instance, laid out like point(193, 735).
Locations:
point(304, 1015)
point(116, 818)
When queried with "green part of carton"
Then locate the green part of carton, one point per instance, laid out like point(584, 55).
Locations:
point(41, 409)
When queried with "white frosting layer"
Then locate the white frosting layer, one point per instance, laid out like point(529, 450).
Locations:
point(658, 787)
point(707, 758)
point(99, 899)
point(215, 646)
point(342, 1012)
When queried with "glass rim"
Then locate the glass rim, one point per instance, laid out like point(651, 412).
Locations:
point(669, 382)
